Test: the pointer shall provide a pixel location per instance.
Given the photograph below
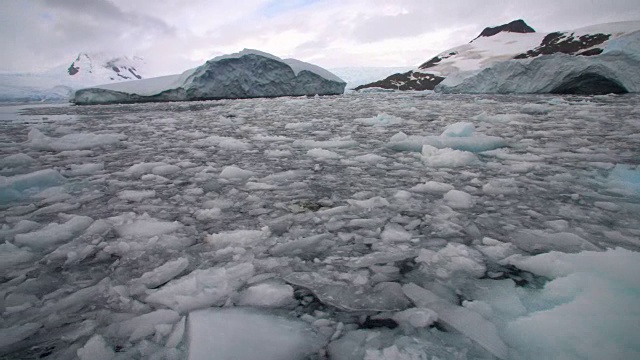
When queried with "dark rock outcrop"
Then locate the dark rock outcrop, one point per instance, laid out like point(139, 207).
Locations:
point(559, 42)
point(516, 26)
point(406, 81)
point(436, 59)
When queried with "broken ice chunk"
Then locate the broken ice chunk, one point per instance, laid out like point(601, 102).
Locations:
point(142, 326)
point(267, 295)
point(96, 349)
point(432, 187)
point(15, 334)
point(459, 129)
point(369, 204)
point(245, 334)
point(136, 195)
point(305, 246)
point(447, 158)
point(385, 296)
point(16, 160)
point(452, 259)
point(163, 273)
point(457, 199)
point(14, 188)
point(54, 234)
point(416, 317)
point(395, 233)
point(202, 288)
point(234, 172)
point(536, 241)
point(78, 141)
point(467, 322)
point(11, 256)
point(237, 238)
point(147, 227)
point(381, 258)
point(322, 154)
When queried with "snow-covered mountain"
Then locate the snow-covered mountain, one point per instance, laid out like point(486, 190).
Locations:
point(58, 83)
point(100, 68)
point(246, 74)
point(360, 75)
point(513, 41)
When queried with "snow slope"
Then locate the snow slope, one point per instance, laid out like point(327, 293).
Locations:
point(248, 73)
point(611, 69)
point(467, 60)
point(58, 83)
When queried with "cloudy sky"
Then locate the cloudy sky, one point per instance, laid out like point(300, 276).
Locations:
point(173, 35)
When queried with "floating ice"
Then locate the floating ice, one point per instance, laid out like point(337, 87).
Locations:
point(202, 288)
point(625, 177)
point(457, 199)
point(416, 317)
point(433, 187)
point(535, 109)
point(588, 311)
point(140, 169)
point(322, 154)
point(380, 120)
point(497, 187)
point(163, 273)
point(475, 143)
point(234, 172)
point(267, 295)
point(245, 334)
point(536, 241)
point(164, 170)
point(16, 333)
point(459, 129)
point(447, 158)
point(385, 296)
point(147, 227)
point(16, 160)
point(84, 169)
point(136, 195)
point(381, 258)
point(469, 323)
point(96, 348)
point(452, 260)
point(328, 144)
point(54, 234)
point(237, 238)
point(14, 187)
point(298, 125)
point(80, 141)
point(395, 233)
point(370, 158)
point(371, 203)
point(142, 326)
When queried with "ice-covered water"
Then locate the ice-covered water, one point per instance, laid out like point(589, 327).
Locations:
point(395, 225)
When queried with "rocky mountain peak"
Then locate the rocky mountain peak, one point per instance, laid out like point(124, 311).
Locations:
point(516, 26)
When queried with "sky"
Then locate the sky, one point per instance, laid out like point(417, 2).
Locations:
point(175, 35)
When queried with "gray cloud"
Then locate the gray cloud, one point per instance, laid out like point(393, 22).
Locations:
point(174, 34)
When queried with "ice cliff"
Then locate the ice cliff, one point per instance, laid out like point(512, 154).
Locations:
point(614, 70)
point(247, 74)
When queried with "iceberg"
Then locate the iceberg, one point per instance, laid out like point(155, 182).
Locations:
point(240, 333)
point(247, 74)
